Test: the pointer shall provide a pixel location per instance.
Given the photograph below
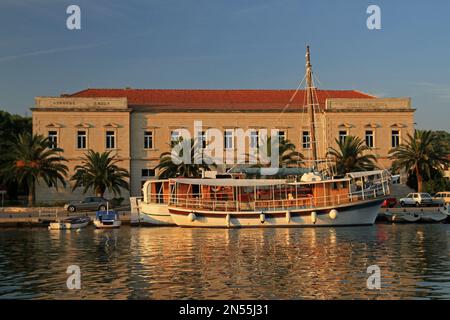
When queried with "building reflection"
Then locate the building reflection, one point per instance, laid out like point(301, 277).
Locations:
point(272, 263)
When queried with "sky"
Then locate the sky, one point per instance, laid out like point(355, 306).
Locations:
point(227, 44)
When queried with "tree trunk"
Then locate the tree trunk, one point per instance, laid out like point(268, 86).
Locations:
point(99, 192)
point(419, 180)
point(32, 193)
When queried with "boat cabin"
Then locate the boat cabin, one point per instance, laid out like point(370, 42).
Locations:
point(275, 194)
point(105, 216)
point(156, 191)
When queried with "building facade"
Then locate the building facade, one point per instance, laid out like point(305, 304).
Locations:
point(137, 125)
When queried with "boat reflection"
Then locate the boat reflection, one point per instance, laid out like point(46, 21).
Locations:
point(270, 263)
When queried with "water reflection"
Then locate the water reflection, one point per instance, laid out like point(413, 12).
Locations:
point(168, 263)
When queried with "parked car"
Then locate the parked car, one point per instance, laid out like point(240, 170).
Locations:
point(389, 203)
point(88, 204)
point(442, 198)
point(417, 199)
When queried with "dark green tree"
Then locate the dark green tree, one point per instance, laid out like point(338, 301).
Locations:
point(172, 165)
point(420, 155)
point(31, 160)
point(99, 172)
point(11, 126)
point(351, 155)
point(287, 154)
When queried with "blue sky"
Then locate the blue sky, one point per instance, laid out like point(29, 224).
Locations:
point(252, 44)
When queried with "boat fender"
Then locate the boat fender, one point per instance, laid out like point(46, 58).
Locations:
point(192, 216)
point(262, 217)
point(314, 217)
point(288, 216)
point(228, 219)
point(333, 214)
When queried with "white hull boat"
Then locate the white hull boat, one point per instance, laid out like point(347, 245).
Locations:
point(107, 224)
point(153, 208)
point(155, 214)
point(107, 220)
point(346, 215)
point(70, 223)
point(314, 199)
point(237, 203)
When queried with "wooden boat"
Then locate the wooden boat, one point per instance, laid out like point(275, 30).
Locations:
point(318, 199)
point(107, 219)
point(70, 223)
point(153, 208)
point(277, 202)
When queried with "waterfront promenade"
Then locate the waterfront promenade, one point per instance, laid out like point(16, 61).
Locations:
point(41, 217)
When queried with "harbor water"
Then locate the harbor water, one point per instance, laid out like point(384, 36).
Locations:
point(179, 263)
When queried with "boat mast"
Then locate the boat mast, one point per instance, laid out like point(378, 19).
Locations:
point(310, 104)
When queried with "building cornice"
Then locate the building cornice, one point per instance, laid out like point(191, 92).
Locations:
point(128, 110)
point(370, 110)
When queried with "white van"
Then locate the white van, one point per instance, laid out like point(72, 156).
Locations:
point(443, 197)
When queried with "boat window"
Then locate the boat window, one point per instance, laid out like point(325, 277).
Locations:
point(196, 190)
point(304, 191)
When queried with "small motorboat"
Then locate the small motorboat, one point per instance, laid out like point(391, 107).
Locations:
point(445, 210)
point(107, 219)
point(70, 223)
point(432, 217)
point(401, 217)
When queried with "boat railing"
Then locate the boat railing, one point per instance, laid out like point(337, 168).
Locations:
point(304, 202)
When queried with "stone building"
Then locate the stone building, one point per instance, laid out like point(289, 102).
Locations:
point(138, 124)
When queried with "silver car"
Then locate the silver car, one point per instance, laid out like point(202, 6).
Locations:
point(417, 199)
point(88, 204)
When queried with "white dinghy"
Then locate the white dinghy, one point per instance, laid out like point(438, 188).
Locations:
point(70, 223)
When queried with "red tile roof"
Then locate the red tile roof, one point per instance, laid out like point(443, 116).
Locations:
point(180, 99)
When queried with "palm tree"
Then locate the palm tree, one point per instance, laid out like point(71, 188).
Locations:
point(287, 154)
point(420, 154)
point(174, 165)
point(351, 156)
point(99, 171)
point(32, 159)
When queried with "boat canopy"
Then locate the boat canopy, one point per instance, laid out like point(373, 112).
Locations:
point(231, 182)
point(361, 174)
point(106, 215)
point(272, 171)
point(320, 181)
